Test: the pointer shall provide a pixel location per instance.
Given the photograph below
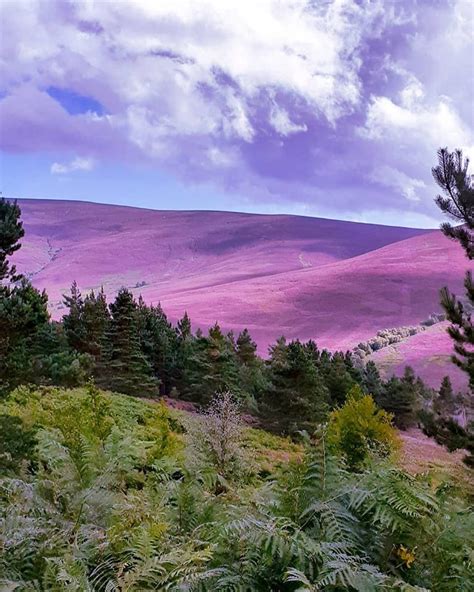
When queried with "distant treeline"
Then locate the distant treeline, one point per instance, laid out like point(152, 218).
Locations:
point(130, 347)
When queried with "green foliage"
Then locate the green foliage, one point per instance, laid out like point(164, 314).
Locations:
point(445, 403)
point(11, 232)
point(23, 318)
point(453, 178)
point(159, 343)
point(337, 376)
point(97, 493)
point(124, 366)
point(457, 184)
point(297, 396)
point(371, 380)
point(212, 366)
point(359, 429)
point(461, 329)
point(17, 443)
point(108, 505)
point(401, 397)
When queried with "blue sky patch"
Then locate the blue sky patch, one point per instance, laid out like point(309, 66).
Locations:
point(74, 103)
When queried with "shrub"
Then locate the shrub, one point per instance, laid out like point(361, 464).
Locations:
point(216, 437)
point(359, 428)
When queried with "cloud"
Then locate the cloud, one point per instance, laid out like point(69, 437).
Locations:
point(416, 121)
point(77, 164)
point(274, 100)
point(390, 177)
point(281, 122)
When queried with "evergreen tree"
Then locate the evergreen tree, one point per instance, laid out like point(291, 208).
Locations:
point(23, 314)
point(461, 329)
point(296, 397)
point(184, 328)
point(337, 378)
point(55, 362)
point(371, 381)
point(251, 369)
point(457, 184)
point(400, 399)
point(23, 309)
point(74, 321)
point(453, 177)
point(211, 368)
point(445, 403)
point(184, 351)
point(355, 372)
point(11, 232)
point(95, 317)
point(246, 348)
point(124, 367)
point(159, 343)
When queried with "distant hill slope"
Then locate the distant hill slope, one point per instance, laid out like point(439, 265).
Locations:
point(427, 352)
point(338, 282)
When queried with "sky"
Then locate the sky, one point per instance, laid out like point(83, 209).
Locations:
point(331, 108)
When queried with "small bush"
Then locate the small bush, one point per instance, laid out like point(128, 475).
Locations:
point(360, 428)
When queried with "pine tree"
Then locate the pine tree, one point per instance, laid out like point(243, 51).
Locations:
point(23, 309)
point(159, 343)
point(184, 351)
point(461, 329)
point(73, 322)
point(400, 399)
point(251, 369)
point(11, 232)
point(23, 315)
point(445, 403)
point(452, 176)
point(337, 378)
point(355, 372)
point(371, 381)
point(246, 348)
point(124, 367)
point(296, 397)
point(184, 328)
point(95, 318)
point(457, 184)
point(211, 368)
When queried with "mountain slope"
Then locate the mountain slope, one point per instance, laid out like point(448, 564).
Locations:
point(175, 251)
point(337, 282)
point(428, 352)
point(340, 303)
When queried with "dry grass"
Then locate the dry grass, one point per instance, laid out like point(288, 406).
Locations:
point(420, 454)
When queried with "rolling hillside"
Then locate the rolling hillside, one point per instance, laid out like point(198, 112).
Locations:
point(429, 352)
point(337, 282)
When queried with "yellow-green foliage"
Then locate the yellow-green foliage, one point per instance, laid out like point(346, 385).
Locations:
point(87, 414)
point(109, 502)
point(360, 427)
point(270, 452)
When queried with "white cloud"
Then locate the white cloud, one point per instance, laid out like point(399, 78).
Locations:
point(77, 164)
point(417, 122)
point(168, 60)
point(208, 89)
point(390, 177)
point(281, 122)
